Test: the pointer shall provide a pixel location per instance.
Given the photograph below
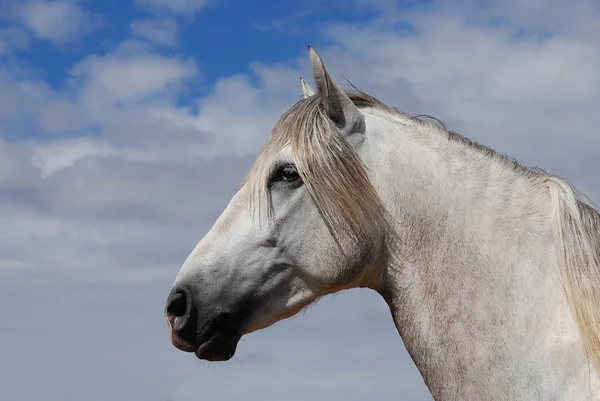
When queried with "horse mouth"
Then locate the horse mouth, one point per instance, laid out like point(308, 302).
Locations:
point(219, 347)
point(210, 336)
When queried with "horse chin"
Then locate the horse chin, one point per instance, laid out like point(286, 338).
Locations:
point(218, 340)
point(218, 348)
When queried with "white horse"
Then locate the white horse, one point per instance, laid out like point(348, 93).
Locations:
point(491, 270)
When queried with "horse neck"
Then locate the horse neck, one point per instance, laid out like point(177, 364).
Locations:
point(479, 284)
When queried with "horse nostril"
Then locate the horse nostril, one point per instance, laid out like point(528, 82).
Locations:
point(182, 318)
point(179, 309)
point(177, 306)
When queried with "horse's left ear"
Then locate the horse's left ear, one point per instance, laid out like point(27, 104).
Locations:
point(334, 99)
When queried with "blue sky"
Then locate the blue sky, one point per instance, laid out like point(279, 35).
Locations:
point(232, 32)
point(125, 127)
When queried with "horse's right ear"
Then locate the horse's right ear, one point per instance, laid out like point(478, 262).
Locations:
point(334, 99)
point(307, 90)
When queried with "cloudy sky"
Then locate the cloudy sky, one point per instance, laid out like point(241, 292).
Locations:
point(126, 125)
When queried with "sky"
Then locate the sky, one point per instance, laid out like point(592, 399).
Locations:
point(126, 126)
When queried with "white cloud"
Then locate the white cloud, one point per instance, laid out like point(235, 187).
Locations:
point(241, 115)
point(57, 21)
point(177, 6)
point(162, 32)
point(59, 115)
point(11, 39)
point(124, 77)
point(56, 155)
point(512, 72)
point(29, 106)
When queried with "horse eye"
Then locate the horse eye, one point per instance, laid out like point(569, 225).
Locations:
point(286, 172)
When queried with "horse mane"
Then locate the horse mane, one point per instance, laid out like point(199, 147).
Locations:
point(338, 184)
point(576, 224)
point(577, 229)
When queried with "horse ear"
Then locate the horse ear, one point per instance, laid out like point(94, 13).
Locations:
point(307, 91)
point(334, 99)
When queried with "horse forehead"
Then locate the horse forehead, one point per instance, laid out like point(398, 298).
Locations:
point(284, 154)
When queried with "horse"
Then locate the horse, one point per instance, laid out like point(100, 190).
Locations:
point(490, 269)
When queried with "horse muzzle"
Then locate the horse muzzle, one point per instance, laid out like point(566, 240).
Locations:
point(211, 332)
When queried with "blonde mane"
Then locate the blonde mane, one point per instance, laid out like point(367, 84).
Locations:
point(338, 183)
point(577, 230)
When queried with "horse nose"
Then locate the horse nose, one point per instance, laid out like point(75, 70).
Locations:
point(177, 306)
point(182, 319)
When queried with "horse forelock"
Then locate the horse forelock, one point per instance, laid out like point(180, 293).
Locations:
point(333, 173)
